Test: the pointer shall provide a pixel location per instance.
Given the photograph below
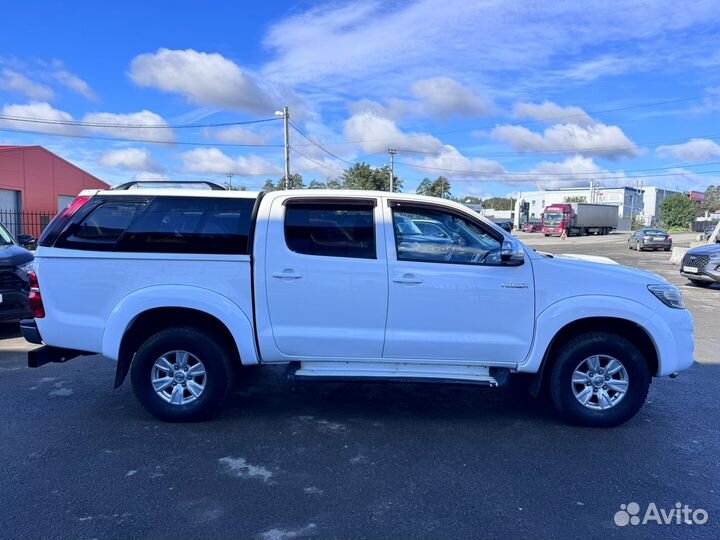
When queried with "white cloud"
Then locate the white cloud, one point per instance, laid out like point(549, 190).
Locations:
point(693, 151)
point(236, 135)
point(145, 176)
point(445, 97)
point(159, 134)
point(375, 134)
point(12, 81)
point(213, 161)
point(451, 163)
point(39, 111)
point(136, 159)
point(441, 98)
point(203, 78)
point(603, 67)
point(575, 171)
point(547, 111)
point(597, 139)
point(332, 45)
point(74, 83)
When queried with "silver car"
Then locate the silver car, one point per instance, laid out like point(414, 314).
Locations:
point(650, 238)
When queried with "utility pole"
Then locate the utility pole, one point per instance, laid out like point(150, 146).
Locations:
point(286, 121)
point(392, 152)
point(230, 175)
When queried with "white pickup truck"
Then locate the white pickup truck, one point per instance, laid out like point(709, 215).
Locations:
point(184, 287)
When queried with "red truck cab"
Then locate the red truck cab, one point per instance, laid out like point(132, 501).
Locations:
point(556, 219)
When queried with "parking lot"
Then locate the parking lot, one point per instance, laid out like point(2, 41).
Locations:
point(318, 460)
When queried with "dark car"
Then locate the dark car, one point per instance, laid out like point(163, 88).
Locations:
point(506, 225)
point(709, 231)
point(15, 263)
point(532, 226)
point(701, 265)
point(650, 238)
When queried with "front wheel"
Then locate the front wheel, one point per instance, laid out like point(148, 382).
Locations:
point(181, 374)
point(599, 379)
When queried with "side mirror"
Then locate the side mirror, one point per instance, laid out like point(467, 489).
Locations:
point(512, 254)
point(25, 240)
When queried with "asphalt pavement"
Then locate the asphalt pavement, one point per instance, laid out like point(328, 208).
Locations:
point(346, 460)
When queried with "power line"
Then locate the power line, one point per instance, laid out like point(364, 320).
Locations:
point(521, 123)
point(129, 126)
point(318, 163)
point(301, 132)
point(146, 141)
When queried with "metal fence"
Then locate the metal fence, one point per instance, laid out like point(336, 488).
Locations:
point(32, 223)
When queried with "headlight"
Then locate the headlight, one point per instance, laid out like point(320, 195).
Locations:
point(27, 266)
point(668, 295)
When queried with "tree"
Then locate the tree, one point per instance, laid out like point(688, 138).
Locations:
point(363, 176)
point(269, 185)
point(677, 212)
point(334, 184)
point(576, 199)
point(234, 187)
point(435, 188)
point(315, 184)
point(498, 203)
point(295, 182)
point(712, 199)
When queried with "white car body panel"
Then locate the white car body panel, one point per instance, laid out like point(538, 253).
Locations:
point(348, 312)
point(91, 297)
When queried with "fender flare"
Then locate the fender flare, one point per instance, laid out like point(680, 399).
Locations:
point(180, 296)
point(558, 315)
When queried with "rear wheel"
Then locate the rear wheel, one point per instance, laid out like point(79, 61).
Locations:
point(181, 374)
point(699, 283)
point(599, 379)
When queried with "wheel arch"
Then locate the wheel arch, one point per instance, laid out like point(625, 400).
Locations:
point(147, 311)
point(626, 328)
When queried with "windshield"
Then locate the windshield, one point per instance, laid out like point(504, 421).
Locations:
point(5, 237)
point(553, 218)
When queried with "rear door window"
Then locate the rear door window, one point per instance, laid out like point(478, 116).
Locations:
point(191, 225)
point(331, 229)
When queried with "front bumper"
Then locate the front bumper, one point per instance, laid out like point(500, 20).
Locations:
point(672, 332)
point(710, 273)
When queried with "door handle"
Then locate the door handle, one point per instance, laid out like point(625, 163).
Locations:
point(408, 278)
point(288, 273)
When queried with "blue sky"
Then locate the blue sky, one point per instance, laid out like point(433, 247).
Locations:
point(500, 97)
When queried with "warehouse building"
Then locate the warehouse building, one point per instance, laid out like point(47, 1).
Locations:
point(652, 201)
point(35, 184)
point(628, 200)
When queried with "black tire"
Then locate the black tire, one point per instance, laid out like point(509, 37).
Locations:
point(584, 346)
point(699, 283)
point(217, 379)
point(667, 249)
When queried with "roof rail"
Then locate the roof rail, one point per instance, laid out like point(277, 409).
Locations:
point(171, 183)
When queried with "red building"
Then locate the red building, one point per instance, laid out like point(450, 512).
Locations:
point(35, 184)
